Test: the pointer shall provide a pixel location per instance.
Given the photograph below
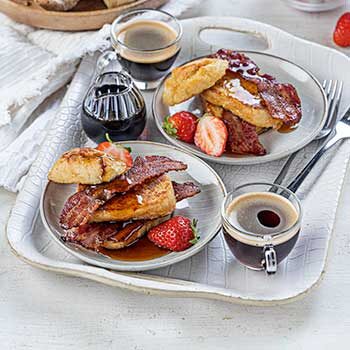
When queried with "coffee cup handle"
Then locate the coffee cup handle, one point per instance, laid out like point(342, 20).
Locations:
point(269, 260)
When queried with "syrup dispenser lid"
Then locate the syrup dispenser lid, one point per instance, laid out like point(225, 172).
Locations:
point(113, 96)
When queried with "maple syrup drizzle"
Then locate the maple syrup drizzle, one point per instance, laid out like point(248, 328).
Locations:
point(143, 249)
point(236, 90)
point(285, 129)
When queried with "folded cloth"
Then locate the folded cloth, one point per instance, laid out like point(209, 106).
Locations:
point(35, 63)
point(15, 163)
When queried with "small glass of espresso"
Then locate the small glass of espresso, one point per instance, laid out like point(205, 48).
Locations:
point(147, 43)
point(261, 224)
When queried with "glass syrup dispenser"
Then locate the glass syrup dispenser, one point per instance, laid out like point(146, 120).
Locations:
point(113, 105)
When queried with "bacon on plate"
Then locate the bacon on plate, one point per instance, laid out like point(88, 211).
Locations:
point(242, 136)
point(80, 206)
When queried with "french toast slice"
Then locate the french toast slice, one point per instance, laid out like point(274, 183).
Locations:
point(281, 100)
point(86, 166)
point(241, 97)
point(215, 110)
point(192, 78)
point(218, 112)
point(80, 207)
point(153, 199)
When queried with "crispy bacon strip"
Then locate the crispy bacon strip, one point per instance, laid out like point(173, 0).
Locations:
point(109, 235)
point(80, 206)
point(240, 63)
point(185, 190)
point(96, 235)
point(281, 100)
point(91, 236)
point(242, 136)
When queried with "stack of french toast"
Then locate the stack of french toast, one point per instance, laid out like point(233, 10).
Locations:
point(233, 90)
point(118, 199)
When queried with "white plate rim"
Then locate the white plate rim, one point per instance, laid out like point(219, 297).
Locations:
point(250, 160)
point(146, 264)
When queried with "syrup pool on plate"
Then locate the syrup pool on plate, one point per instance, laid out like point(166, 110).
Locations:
point(143, 249)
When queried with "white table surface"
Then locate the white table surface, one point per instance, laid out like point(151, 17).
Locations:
point(44, 310)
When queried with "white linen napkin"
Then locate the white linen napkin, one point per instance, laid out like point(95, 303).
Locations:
point(35, 63)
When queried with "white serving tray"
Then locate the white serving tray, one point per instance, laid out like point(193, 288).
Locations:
point(212, 273)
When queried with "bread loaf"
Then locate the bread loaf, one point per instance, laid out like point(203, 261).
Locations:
point(116, 3)
point(57, 5)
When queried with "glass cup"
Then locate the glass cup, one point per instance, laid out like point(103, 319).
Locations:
point(149, 59)
point(315, 5)
point(266, 237)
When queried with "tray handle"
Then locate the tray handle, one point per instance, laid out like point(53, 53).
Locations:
point(239, 34)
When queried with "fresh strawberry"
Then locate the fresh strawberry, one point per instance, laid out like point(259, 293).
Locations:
point(117, 151)
point(176, 234)
point(181, 125)
point(341, 35)
point(211, 135)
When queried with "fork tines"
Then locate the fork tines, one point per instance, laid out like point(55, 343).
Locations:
point(333, 90)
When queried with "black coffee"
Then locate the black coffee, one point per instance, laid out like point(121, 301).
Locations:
point(147, 52)
point(261, 215)
point(253, 256)
point(268, 218)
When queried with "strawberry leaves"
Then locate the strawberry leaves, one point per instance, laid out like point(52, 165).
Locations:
point(194, 228)
point(169, 127)
point(108, 138)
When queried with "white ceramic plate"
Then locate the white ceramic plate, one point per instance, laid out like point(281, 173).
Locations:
point(205, 207)
point(277, 145)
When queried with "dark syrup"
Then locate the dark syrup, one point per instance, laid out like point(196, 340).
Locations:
point(119, 128)
point(143, 249)
point(285, 129)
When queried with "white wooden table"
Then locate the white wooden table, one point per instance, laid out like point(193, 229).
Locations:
point(43, 310)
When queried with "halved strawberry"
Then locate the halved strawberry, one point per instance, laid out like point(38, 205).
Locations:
point(117, 151)
point(211, 135)
point(341, 35)
point(181, 125)
point(176, 234)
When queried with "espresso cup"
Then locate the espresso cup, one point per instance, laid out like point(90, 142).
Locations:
point(261, 224)
point(147, 43)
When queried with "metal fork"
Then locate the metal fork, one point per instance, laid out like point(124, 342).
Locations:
point(333, 90)
point(341, 132)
